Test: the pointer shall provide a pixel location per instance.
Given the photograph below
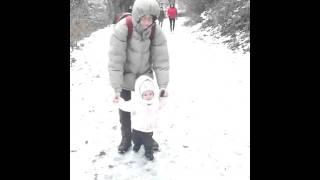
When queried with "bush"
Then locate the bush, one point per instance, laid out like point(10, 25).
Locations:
point(195, 19)
point(232, 15)
point(86, 17)
point(79, 11)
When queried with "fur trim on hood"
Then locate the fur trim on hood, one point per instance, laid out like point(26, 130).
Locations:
point(144, 7)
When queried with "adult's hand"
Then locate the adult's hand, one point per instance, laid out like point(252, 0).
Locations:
point(163, 92)
point(116, 97)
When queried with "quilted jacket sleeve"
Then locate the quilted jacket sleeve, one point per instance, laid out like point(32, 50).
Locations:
point(160, 58)
point(117, 54)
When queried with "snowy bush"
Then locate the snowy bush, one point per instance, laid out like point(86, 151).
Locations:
point(233, 16)
point(87, 16)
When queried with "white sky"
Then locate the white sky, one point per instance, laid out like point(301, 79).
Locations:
point(204, 130)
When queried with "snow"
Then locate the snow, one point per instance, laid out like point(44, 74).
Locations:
point(203, 132)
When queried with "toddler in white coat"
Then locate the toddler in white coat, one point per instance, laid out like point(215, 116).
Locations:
point(144, 109)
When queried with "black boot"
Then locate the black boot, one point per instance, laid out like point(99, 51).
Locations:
point(125, 121)
point(155, 145)
point(125, 141)
point(125, 132)
point(137, 141)
point(136, 148)
point(149, 155)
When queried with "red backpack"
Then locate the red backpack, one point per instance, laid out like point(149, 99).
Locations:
point(128, 17)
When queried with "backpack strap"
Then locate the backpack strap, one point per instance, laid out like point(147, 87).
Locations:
point(153, 29)
point(130, 26)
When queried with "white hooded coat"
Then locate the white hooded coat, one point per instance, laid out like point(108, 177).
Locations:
point(144, 114)
point(128, 59)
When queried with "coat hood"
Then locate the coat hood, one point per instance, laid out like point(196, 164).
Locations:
point(142, 84)
point(144, 7)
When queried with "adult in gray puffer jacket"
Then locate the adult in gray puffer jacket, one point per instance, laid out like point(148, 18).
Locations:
point(130, 58)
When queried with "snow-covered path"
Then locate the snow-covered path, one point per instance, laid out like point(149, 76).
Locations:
point(203, 134)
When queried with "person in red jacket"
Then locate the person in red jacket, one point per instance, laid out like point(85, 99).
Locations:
point(172, 14)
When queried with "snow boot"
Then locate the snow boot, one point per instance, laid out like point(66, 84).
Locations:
point(125, 143)
point(149, 155)
point(125, 121)
point(125, 132)
point(136, 148)
point(155, 145)
point(126, 137)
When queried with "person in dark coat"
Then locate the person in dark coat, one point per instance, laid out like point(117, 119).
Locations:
point(161, 16)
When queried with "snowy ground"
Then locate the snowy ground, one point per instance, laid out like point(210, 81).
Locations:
point(203, 133)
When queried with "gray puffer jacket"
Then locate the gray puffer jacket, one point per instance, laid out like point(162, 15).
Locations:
point(138, 56)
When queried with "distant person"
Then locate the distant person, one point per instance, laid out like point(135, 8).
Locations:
point(144, 108)
point(130, 9)
point(161, 16)
point(172, 14)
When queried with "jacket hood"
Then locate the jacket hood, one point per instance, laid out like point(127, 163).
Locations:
point(144, 7)
point(142, 84)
